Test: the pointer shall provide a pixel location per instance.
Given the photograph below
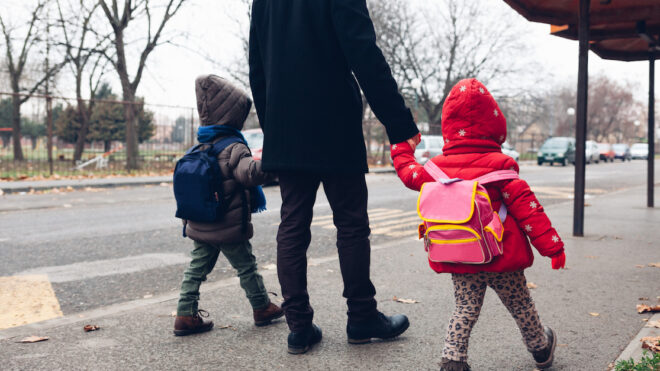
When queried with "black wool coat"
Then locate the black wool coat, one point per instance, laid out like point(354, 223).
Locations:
point(305, 56)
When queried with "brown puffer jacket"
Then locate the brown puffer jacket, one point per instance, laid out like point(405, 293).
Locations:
point(240, 172)
point(219, 102)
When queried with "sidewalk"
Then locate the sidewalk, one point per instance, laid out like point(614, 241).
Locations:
point(591, 306)
point(19, 186)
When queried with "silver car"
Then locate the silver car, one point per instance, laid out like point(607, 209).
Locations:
point(429, 147)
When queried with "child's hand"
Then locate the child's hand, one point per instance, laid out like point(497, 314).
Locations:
point(414, 141)
point(559, 261)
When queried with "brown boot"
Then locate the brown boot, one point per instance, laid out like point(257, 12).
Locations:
point(195, 324)
point(263, 317)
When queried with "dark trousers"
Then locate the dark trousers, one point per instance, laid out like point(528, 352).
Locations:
point(347, 195)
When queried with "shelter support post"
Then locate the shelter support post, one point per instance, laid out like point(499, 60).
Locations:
point(651, 131)
point(581, 117)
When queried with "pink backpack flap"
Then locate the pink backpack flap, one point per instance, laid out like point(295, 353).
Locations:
point(459, 224)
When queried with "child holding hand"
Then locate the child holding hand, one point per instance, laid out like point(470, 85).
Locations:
point(474, 128)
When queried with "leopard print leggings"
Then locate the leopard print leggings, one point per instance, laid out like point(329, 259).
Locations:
point(469, 291)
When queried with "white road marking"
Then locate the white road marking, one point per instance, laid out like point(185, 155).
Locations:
point(389, 226)
point(101, 268)
point(387, 213)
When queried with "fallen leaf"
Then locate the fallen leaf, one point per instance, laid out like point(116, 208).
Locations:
point(34, 339)
point(651, 343)
point(642, 308)
point(270, 267)
point(147, 296)
point(639, 266)
point(645, 319)
point(531, 285)
point(89, 328)
point(330, 271)
point(654, 265)
point(173, 314)
point(404, 301)
point(224, 327)
point(643, 298)
point(591, 257)
point(655, 324)
point(562, 345)
point(594, 314)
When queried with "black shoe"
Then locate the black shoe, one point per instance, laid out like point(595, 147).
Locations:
point(300, 342)
point(381, 327)
point(544, 357)
point(450, 365)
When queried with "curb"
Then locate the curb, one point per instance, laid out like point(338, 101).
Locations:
point(634, 349)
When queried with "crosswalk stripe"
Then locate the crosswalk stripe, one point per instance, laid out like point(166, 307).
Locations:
point(326, 219)
point(385, 227)
point(388, 215)
point(409, 233)
point(27, 299)
point(379, 216)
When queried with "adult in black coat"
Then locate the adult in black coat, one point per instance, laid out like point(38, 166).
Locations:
point(305, 56)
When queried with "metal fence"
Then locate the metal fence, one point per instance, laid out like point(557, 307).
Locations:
point(164, 133)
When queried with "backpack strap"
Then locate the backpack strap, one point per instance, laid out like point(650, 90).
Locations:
point(496, 176)
point(437, 174)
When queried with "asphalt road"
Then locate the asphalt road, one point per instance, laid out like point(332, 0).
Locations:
point(106, 246)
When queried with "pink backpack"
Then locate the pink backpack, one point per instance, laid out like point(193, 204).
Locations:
point(459, 224)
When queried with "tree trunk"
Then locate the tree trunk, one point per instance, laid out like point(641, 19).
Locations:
point(16, 128)
point(82, 133)
point(106, 146)
point(131, 134)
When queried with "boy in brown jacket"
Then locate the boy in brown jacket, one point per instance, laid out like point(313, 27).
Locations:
point(223, 109)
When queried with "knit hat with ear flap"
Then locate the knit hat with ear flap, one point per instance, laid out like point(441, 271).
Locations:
point(219, 102)
point(471, 119)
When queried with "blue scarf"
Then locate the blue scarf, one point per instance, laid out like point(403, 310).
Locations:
point(206, 134)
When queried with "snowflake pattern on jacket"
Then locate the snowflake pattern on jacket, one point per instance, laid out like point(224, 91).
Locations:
point(473, 136)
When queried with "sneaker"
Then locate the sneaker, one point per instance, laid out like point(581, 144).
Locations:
point(451, 365)
point(544, 357)
point(300, 342)
point(380, 326)
point(263, 317)
point(195, 324)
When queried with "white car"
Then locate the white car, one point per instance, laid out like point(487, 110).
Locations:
point(429, 147)
point(508, 150)
point(639, 150)
point(592, 152)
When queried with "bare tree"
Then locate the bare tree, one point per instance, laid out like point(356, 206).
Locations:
point(119, 20)
point(430, 49)
point(84, 49)
point(16, 66)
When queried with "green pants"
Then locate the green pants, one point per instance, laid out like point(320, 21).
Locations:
point(204, 257)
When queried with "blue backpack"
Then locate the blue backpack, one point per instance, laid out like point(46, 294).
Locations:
point(198, 183)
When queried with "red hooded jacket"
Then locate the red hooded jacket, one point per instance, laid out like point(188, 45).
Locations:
point(474, 128)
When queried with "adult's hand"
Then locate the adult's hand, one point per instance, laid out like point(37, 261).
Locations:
point(414, 141)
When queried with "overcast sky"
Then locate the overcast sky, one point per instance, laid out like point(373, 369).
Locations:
point(205, 27)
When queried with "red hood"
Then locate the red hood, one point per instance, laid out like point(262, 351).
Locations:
point(471, 120)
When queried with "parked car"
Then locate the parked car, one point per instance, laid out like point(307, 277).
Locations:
point(558, 149)
point(429, 147)
point(622, 152)
point(639, 150)
point(606, 152)
point(592, 153)
point(508, 150)
point(255, 140)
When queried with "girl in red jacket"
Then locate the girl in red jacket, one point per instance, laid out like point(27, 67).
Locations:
point(474, 128)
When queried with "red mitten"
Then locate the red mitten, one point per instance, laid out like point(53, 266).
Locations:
point(559, 261)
